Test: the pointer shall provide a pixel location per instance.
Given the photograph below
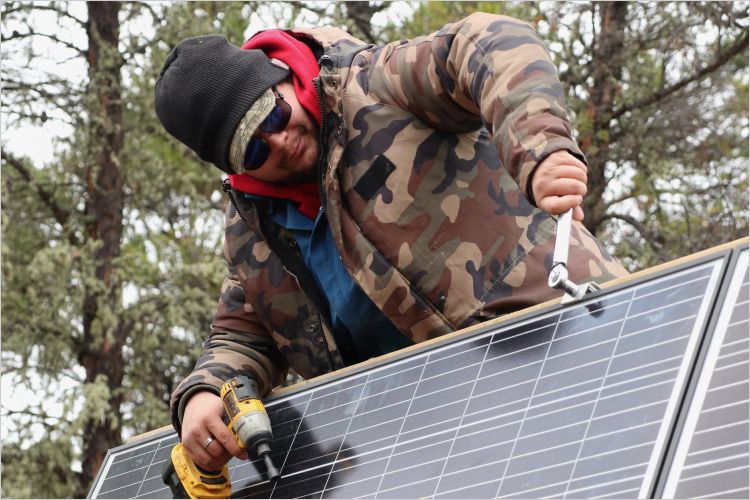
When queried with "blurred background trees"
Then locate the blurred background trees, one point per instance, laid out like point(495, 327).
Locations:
point(111, 252)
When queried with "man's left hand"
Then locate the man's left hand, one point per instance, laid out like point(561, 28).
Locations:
point(559, 184)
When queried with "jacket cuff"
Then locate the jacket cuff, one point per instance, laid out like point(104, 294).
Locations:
point(178, 410)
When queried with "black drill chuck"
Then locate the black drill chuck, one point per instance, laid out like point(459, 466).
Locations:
point(271, 471)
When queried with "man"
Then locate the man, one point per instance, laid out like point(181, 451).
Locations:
point(381, 196)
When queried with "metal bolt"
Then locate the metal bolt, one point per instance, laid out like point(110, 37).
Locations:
point(558, 279)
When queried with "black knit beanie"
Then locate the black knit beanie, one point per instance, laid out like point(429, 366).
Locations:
point(205, 88)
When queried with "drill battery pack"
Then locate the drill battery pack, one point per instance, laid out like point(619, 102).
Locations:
point(187, 480)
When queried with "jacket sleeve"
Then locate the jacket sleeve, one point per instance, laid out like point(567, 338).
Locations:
point(237, 343)
point(483, 70)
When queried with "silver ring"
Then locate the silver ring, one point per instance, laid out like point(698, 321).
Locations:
point(209, 440)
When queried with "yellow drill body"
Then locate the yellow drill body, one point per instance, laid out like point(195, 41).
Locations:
point(248, 420)
point(247, 415)
point(251, 427)
point(194, 481)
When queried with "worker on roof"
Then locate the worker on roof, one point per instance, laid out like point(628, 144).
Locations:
point(380, 195)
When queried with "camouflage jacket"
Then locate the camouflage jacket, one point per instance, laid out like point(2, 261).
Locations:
point(424, 145)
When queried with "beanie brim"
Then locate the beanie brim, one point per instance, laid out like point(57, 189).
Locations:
point(258, 112)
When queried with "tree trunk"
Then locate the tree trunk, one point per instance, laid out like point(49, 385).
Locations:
point(360, 14)
point(608, 57)
point(102, 349)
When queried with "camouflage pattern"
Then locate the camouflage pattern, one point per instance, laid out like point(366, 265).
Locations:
point(428, 142)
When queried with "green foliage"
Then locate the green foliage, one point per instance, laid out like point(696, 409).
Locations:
point(167, 275)
point(40, 471)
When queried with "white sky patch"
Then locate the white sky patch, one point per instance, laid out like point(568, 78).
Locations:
point(18, 395)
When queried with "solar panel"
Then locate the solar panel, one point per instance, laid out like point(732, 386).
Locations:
point(712, 460)
point(575, 401)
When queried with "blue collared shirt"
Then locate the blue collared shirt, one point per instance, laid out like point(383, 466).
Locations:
point(355, 320)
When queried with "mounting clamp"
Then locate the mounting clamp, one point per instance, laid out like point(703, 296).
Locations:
point(558, 275)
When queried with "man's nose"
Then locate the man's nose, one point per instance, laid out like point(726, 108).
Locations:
point(275, 141)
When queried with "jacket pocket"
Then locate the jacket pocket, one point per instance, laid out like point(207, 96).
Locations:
point(374, 178)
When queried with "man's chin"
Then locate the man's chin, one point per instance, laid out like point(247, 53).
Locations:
point(300, 177)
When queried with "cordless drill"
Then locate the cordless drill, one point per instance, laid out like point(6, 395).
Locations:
point(250, 425)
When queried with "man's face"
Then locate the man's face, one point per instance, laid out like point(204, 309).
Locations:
point(294, 150)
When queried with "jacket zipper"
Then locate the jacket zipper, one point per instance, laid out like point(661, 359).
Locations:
point(227, 188)
point(322, 154)
point(323, 145)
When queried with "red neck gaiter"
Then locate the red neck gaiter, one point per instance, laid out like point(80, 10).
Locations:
point(301, 60)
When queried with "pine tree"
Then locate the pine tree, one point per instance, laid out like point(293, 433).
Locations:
point(112, 254)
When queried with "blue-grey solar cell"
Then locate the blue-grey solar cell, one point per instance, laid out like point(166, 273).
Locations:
point(574, 402)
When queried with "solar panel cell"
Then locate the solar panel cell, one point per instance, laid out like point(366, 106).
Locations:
point(417, 489)
point(613, 474)
point(364, 488)
point(731, 480)
point(456, 379)
point(154, 488)
point(486, 488)
point(411, 479)
point(247, 471)
point(507, 385)
point(612, 488)
point(307, 485)
point(580, 319)
point(671, 282)
point(112, 490)
point(551, 478)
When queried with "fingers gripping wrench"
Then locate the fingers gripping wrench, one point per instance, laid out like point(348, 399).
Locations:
point(558, 276)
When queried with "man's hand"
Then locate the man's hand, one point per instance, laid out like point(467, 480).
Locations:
point(202, 419)
point(559, 183)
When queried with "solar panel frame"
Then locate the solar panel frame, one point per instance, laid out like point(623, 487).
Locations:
point(467, 336)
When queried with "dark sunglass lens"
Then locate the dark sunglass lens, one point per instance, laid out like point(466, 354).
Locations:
point(277, 120)
point(256, 154)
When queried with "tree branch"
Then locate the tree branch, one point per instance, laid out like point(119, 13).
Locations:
point(72, 375)
point(688, 226)
point(307, 6)
point(60, 214)
point(656, 242)
point(28, 8)
point(158, 19)
point(49, 80)
point(620, 199)
point(721, 59)
point(44, 91)
point(16, 35)
point(361, 15)
point(41, 416)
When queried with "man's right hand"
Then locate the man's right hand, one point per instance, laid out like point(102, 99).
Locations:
point(203, 419)
point(559, 184)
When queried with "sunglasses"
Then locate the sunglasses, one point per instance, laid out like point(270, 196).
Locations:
point(257, 150)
